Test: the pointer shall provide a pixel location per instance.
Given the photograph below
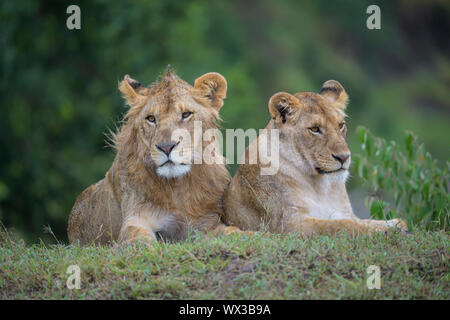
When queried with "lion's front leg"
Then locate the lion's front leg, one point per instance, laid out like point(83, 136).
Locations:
point(136, 229)
point(384, 225)
point(311, 226)
point(314, 226)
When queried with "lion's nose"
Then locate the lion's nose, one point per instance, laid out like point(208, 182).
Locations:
point(166, 147)
point(341, 157)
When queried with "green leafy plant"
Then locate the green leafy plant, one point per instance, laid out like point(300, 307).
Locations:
point(405, 180)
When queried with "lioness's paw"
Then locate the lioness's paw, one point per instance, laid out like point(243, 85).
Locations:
point(398, 224)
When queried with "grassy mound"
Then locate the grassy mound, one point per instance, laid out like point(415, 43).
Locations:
point(264, 266)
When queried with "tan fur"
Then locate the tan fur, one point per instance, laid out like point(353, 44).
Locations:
point(133, 202)
point(307, 194)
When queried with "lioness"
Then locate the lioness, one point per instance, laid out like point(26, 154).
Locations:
point(152, 189)
point(307, 194)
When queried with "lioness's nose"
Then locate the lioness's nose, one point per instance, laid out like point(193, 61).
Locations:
point(341, 157)
point(166, 147)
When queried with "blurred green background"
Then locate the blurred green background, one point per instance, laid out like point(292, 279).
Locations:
point(59, 87)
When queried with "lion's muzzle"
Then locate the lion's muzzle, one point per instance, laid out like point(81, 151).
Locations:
point(170, 163)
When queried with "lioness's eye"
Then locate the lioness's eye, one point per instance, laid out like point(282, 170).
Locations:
point(315, 130)
point(151, 119)
point(342, 126)
point(186, 114)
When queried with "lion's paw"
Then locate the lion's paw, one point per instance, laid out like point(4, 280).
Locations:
point(229, 230)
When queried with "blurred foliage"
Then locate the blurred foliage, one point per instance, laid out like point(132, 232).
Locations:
point(407, 173)
point(59, 87)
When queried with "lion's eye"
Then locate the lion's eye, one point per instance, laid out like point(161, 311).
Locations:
point(342, 126)
point(151, 118)
point(186, 114)
point(315, 130)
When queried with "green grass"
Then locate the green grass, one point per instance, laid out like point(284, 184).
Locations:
point(413, 266)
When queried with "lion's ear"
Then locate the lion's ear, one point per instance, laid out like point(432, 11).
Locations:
point(133, 91)
point(282, 105)
point(335, 93)
point(210, 89)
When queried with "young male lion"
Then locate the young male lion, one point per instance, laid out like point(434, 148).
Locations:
point(153, 188)
point(307, 194)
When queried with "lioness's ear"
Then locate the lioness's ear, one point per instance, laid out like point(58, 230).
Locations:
point(282, 105)
point(210, 89)
point(334, 92)
point(133, 91)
